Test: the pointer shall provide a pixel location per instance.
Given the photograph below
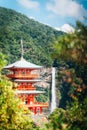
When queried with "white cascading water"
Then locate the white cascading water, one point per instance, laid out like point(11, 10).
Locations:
point(53, 91)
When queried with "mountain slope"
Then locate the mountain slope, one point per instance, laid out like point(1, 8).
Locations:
point(37, 37)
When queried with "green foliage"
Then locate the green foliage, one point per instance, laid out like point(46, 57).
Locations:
point(76, 115)
point(43, 97)
point(72, 46)
point(57, 119)
point(2, 61)
point(37, 37)
point(11, 115)
point(74, 118)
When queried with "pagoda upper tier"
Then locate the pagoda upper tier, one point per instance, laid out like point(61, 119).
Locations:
point(22, 63)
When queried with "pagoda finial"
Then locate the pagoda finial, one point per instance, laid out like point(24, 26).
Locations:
point(22, 51)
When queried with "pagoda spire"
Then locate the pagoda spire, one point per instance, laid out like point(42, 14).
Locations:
point(22, 51)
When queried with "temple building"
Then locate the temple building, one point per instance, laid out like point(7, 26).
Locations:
point(23, 73)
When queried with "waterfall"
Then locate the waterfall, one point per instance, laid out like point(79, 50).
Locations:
point(53, 91)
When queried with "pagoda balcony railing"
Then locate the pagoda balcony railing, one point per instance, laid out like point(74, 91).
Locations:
point(26, 88)
point(20, 76)
point(38, 104)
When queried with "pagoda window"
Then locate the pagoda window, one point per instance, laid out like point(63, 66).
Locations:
point(24, 84)
point(23, 72)
point(20, 84)
point(16, 72)
point(28, 71)
point(29, 84)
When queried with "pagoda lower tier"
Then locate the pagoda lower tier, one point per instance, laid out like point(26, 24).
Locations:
point(28, 98)
point(37, 107)
point(27, 92)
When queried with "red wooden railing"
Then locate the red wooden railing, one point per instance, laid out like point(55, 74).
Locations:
point(20, 76)
point(25, 88)
point(38, 104)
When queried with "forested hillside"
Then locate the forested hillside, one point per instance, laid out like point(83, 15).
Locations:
point(38, 38)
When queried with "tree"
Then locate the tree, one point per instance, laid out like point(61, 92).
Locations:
point(57, 120)
point(71, 48)
point(74, 118)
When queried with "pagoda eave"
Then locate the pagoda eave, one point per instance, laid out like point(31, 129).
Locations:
point(30, 81)
point(29, 92)
point(22, 64)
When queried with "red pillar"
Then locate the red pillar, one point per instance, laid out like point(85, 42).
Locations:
point(28, 100)
point(40, 110)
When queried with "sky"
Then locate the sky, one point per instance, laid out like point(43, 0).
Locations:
point(54, 13)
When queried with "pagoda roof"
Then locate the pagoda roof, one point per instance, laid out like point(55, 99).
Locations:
point(30, 81)
point(29, 92)
point(22, 64)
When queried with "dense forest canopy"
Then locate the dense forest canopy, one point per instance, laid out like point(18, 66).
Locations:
point(37, 37)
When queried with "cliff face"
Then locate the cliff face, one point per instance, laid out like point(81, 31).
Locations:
point(45, 76)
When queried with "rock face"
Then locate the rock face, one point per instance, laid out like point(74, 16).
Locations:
point(45, 76)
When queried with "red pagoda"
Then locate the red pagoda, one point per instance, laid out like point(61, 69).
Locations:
point(23, 73)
